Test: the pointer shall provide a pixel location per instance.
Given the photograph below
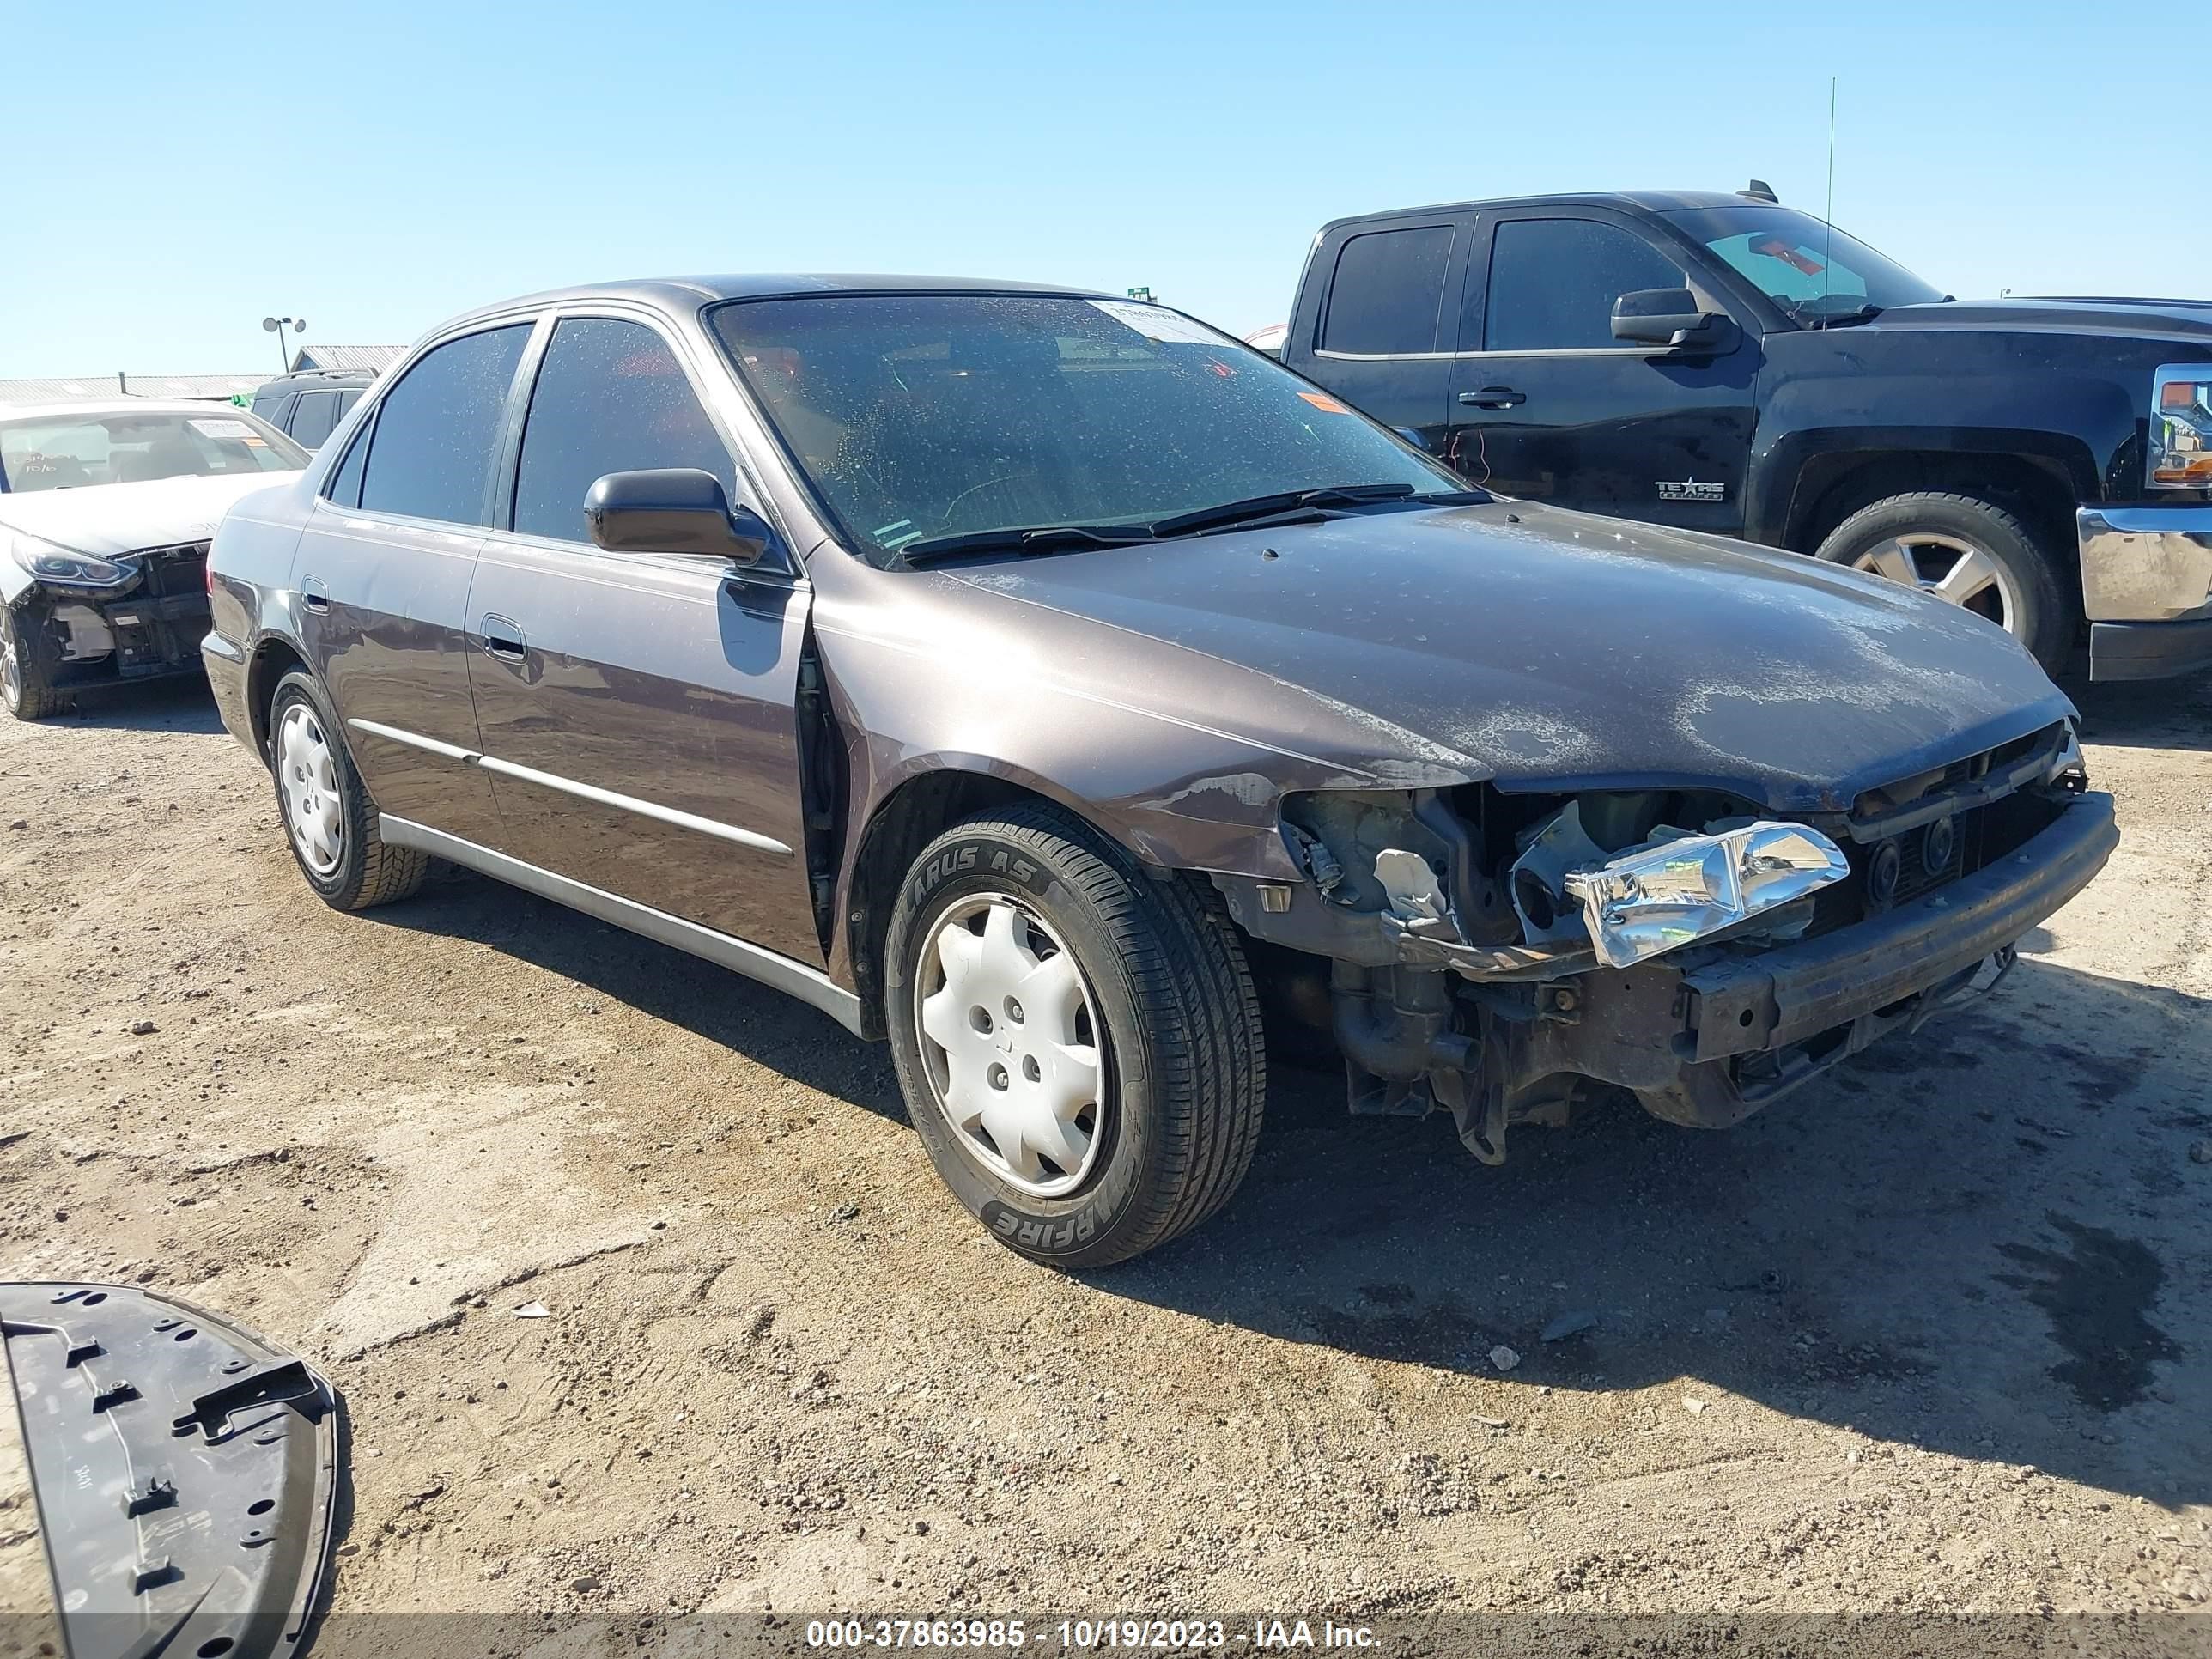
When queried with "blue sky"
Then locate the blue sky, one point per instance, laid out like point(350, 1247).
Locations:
point(176, 173)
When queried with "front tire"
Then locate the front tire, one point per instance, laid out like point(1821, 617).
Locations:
point(1967, 552)
point(1078, 1043)
point(329, 820)
point(24, 674)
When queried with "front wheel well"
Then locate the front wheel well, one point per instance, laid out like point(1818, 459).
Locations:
point(2037, 490)
point(272, 660)
point(909, 819)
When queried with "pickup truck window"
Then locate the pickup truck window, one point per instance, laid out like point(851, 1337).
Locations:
point(1812, 270)
point(1552, 282)
point(1388, 289)
point(922, 416)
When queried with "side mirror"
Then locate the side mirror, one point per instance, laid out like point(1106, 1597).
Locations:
point(1412, 434)
point(1670, 317)
point(673, 509)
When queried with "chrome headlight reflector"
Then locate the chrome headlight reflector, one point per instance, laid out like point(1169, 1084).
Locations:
point(1656, 898)
point(2180, 428)
point(49, 563)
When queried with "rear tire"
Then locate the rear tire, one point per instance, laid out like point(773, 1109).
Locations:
point(25, 674)
point(1160, 1006)
point(1928, 538)
point(329, 823)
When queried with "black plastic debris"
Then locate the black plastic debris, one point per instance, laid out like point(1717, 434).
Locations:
point(185, 1473)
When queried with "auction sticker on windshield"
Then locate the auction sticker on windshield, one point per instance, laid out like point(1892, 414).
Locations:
point(1158, 323)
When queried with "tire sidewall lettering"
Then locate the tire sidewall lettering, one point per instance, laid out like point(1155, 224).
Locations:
point(1040, 1227)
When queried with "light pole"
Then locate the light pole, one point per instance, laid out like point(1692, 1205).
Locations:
point(277, 325)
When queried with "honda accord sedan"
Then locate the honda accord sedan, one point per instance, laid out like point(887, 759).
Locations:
point(1054, 688)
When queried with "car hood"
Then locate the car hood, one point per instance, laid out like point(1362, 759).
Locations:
point(1554, 650)
point(2175, 319)
point(103, 521)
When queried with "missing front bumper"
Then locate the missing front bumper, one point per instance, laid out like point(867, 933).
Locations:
point(1708, 1044)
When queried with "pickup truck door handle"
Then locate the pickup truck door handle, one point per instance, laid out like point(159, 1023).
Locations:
point(314, 595)
point(1493, 396)
point(503, 638)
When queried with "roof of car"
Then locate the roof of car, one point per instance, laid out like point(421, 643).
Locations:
point(1650, 201)
point(340, 379)
point(688, 293)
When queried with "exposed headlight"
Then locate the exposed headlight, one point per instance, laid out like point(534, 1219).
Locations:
point(1657, 897)
point(2181, 428)
point(58, 564)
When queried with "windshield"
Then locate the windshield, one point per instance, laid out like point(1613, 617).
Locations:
point(70, 451)
point(920, 417)
point(1816, 274)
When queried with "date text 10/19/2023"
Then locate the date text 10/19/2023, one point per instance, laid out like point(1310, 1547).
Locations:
point(1087, 1635)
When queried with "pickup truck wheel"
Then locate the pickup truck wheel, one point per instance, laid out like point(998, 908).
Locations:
point(328, 818)
point(23, 674)
point(1967, 553)
point(1078, 1043)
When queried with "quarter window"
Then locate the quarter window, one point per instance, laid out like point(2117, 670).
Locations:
point(1552, 282)
point(437, 432)
point(611, 398)
point(1388, 289)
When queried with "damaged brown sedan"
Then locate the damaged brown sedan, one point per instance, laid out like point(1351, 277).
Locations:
point(1076, 699)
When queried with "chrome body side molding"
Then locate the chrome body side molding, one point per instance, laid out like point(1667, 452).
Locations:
point(729, 832)
point(810, 985)
point(714, 827)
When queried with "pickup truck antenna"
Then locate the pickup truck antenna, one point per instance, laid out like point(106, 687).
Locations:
point(1828, 214)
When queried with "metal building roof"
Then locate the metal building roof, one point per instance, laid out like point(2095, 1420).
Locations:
point(373, 358)
point(76, 388)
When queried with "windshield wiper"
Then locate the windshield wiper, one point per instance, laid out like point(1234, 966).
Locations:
point(1299, 502)
point(1845, 318)
point(1033, 538)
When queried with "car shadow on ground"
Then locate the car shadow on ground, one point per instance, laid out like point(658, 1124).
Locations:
point(2146, 713)
point(766, 1026)
point(167, 705)
point(1988, 1240)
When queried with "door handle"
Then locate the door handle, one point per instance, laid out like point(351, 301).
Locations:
point(313, 595)
point(1493, 396)
point(503, 637)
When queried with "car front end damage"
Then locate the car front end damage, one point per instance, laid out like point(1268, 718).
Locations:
point(99, 621)
point(1497, 952)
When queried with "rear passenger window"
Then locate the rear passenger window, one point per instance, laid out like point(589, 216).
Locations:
point(437, 431)
point(611, 398)
point(1552, 282)
point(313, 417)
point(1388, 289)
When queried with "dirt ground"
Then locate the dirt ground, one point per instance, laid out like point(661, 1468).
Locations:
point(1933, 1334)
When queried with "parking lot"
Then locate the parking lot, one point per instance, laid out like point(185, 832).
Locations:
point(1929, 1335)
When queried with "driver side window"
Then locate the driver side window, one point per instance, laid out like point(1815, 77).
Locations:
point(611, 398)
point(1552, 282)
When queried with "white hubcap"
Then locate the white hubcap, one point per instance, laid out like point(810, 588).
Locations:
point(308, 775)
point(1955, 571)
point(11, 677)
point(1011, 1044)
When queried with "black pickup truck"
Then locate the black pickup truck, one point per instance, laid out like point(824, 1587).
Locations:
point(1722, 362)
